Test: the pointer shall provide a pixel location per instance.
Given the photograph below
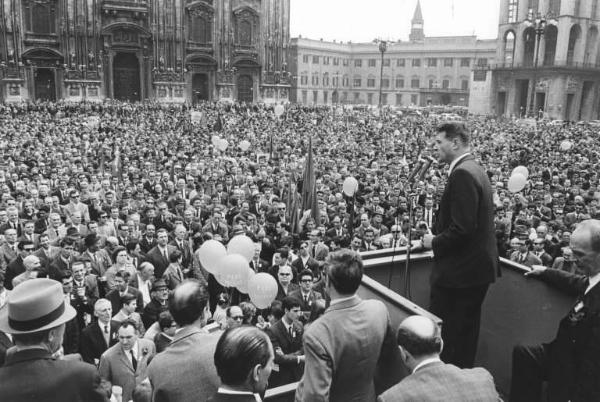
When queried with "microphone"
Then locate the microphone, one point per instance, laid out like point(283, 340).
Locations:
point(428, 161)
point(415, 171)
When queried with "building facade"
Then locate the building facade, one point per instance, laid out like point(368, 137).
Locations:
point(421, 71)
point(552, 71)
point(167, 50)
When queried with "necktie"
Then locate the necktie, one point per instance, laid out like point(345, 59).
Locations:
point(305, 299)
point(133, 360)
point(106, 337)
point(291, 331)
point(165, 255)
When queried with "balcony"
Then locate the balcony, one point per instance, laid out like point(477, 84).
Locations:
point(556, 65)
point(516, 309)
point(134, 8)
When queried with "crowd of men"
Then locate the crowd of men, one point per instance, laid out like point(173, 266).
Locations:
point(113, 200)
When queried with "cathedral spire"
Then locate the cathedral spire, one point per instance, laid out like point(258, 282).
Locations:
point(416, 31)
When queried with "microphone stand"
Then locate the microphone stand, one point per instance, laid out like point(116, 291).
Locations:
point(410, 199)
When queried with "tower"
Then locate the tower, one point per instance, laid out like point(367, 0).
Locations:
point(416, 30)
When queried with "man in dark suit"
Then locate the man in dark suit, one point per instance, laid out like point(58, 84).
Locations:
point(158, 256)
point(350, 348)
point(183, 245)
point(571, 362)
point(5, 344)
point(304, 260)
point(286, 337)
point(420, 344)
point(306, 295)
point(148, 240)
point(121, 288)
point(100, 334)
point(244, 361)
point(464, 246)
point(185, 370)
point(31, 372)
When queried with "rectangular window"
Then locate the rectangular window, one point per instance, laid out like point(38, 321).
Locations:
point(400, 63)
point(445, 84)
point(386, 62)
point(357, 82)
point(479, 75)
point(464, 85)
point(326, 60)
point(482, 62)
point(371, 83)
point(384, 99)
point(315, 96)
point(336, 61)
point(304, 80)
point(398, 99)
point(356, 96)
point(315, 80)
point(372, 62)
point(385, 83)
point(325, 93)
point(465, 62)
point(414, 98)
point(345, 82)
point(345, 62)
point(315, 59)
point(305, 58)
point(414, 83)
point(431, 62)
point(430, 84)
point(416, 62)
point(370, 99)
point(399, 83)
point(358, 63)
point(304, 97)
point(448, 61)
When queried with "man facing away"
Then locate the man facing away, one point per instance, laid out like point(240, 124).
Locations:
point(348, 348)
point(244, 361)
point(185, 370)
point(420, 344)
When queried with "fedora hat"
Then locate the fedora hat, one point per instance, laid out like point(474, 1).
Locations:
point(35, 305)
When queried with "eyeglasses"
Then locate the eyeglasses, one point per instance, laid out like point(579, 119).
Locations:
point(28, 249)
point(237, 318)
point(284, 274)
point(306, 280)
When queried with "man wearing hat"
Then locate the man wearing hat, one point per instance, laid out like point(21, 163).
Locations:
point(158, 304)
point(35, 316)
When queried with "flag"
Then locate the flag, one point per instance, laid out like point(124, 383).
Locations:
point(292, 204)
point(219, 124)
point(309, 186)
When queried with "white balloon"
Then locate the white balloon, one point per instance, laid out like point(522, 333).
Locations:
point(232, 271)
point(262, 289)
point(242, 245)
point(350, 186)
point(210, 254)
point(243, 286)
point(521, 170)
point(396, 132)
point(566, 145)
point(244, 145)
point(516, 183)
point(222, 145)
point(279, 109)
point(215, 140)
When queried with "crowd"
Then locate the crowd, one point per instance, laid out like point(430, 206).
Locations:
point(113, 200)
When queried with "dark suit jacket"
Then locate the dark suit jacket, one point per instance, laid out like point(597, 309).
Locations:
point(185, 371)
point(187, 252)
point(311, 264)
point(33, 375)
point(281, 294)
point(115, 299)
point(313, 296)
point(146, 245)
point(444, 382)
point(151, 312)
point(574, 354)
point(92, 343)
point(348, 350)
point(464, 248)
point(5, 344)
point(14, 269)
point(291, 347)
point(158, 260)
point(221, 397)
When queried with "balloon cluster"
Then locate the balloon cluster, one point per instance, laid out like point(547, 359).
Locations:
point(518, 179)
point(230, 267)
point(220, 143)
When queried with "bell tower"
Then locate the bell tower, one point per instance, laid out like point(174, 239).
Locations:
point(416, 30)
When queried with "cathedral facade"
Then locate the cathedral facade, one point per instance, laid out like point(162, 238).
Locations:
point(164, 50)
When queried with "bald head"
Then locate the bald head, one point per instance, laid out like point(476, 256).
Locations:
point(420, 336)
point(188, 302)
point(585, 244)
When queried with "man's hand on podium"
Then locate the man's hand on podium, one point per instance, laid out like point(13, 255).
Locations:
point(427, 240)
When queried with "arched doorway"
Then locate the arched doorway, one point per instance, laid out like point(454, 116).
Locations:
point(200, 88)
point(126, 77)
point(244, 88)
point(44, 84)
